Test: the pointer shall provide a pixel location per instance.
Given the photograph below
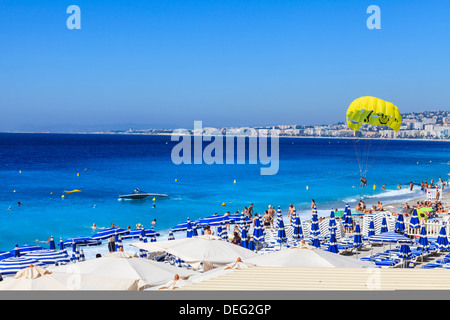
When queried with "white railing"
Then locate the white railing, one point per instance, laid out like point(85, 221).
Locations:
point(432, 227)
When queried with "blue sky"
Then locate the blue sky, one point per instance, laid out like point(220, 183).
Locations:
point(228, 63)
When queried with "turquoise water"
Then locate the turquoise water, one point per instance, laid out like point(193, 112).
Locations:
point(33, 166)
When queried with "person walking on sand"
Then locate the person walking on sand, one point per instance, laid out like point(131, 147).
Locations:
point(267, 220)
point(313, 205)
point(291, 212)
point(272, 213)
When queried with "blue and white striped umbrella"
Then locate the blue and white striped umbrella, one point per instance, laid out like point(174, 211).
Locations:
point(390, 237)
point(214, 220)
point(344, 216)
point(251, 244)
point(371, 230)
point(189, 230)
point(332, 227)
point(219, 229)
point(348, 221)
point(136, 233)
point(414, 222)
point(152, 235)
point(384, 227)
point(13, 265)
point(106, 233)
point(405, 251)
point(82, 257)
point(171, 236)
point(75, 252)
point(357, 238)
point(16, 251)
point(258, 235)
point(62, 247)
point(19, 251)
point(442, 240)
point(239, 219)
point(281, 232)
point(82, 241)
point(48, 256)
point(315, 231)
point(194, 231)
point(5, 255)
point(51, 244)
point(224, 233)
point(244, 240)
point(400, 224)
point(261, 223)
point(143, 239)
point(279, 216)
point(423, 239)
point(332, 245)
point(184, 226)
point(118, 241)
point(297, 227)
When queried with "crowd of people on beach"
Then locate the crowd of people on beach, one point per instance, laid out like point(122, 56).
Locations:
point(269, 215)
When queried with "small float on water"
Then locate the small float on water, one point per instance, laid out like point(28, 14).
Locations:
point(139, 194)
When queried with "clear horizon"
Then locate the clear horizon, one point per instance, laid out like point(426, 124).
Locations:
point(165, 65)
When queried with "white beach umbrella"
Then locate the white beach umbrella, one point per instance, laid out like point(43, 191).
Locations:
point(207, 250)
point(306, 256)
point(124, 265)
point(38, 278)
point(210, 274)
point(173, 284)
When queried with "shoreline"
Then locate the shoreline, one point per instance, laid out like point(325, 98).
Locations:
point(234, 135)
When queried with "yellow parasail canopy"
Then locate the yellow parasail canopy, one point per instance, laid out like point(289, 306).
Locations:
point(374, 111)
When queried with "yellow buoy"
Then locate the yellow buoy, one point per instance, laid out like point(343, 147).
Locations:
point(234, 181)
point(14, 191)
point(78, 174)
point(154, 199)
point(176, 180)
point(63, 196)
point(223, 204)
point(307, 188)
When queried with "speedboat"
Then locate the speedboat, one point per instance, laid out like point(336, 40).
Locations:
point(137, 194)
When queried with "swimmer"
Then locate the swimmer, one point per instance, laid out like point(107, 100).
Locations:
point(94, 226)
point(154, 222)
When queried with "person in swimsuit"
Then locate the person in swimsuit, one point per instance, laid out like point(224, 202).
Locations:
point(267, 220)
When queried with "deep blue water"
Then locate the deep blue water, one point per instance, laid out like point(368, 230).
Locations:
point(33, 166)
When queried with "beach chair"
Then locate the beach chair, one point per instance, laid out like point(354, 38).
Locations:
point(432, 266)
point(391, 263)
point(443, 260)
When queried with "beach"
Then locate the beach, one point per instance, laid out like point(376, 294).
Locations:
point(62, 196)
